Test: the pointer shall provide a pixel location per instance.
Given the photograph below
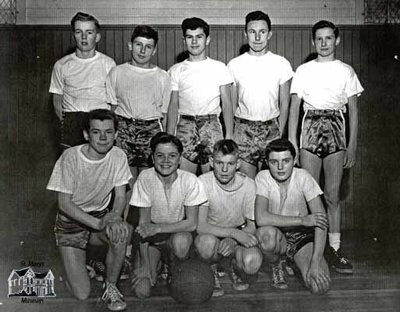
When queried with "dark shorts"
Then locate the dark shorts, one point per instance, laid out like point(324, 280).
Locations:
point(252, 137)
point(134, 137)
point(323, 132)
point(297, 239)
point(72, 126)
point(198, 135)
point(70, 233)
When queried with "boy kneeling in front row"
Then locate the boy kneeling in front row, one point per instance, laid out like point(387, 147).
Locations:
point(85, 178)
point(291, 218)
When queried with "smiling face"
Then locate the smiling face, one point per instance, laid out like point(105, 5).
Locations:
point(196, 42)
point(225, 167)
point(281, 165)
point(325, 43)
point(142, 49)
point(166, 160)
point(101, 138)
point(258, 35)
point(86, 38)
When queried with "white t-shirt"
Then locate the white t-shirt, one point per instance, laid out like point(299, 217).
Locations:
point(198, 85)
point(89, 181)
point(325, 85)
point(140, 93)
point(81, 82)
point(258, 79)
point(302, 189)
point(229, 207)
point(167, 205)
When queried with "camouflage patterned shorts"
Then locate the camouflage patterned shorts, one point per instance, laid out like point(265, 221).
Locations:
point(252, 137)
point(323, 132)
point(297, 239)
point(198, 135)
point(134, 137)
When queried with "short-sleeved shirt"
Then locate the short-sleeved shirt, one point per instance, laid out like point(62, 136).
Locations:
point(90, 182)
point(139, 93)
point(167, 205)
point(198, 85)
point(325, 85)
point(302, 189)
point(81, 82)
point(258, 79)
point(230, 206)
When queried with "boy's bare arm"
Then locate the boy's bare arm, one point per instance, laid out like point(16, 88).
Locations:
point(172, 115)
point(284, 99)
point(316, 207)
point(57, 103)
point(67, 206)
point(227, 109)
point(350, 158)
point(265, 218)
point(119, 200)
point(294, 121)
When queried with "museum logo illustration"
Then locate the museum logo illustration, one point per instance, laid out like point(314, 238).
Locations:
point(26, 282)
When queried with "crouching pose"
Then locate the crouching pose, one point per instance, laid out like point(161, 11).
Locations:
point(91, 180)
point(226, 222)
point(291, 218)
point(168, 199)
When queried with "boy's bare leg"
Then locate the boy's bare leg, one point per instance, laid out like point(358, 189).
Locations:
point(248, 169)
point(74, 261)
point(187, 165)
point(312, 163)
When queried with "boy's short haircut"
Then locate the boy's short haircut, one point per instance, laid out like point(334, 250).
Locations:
point(280, 145)
point(84, 17)
point(100, 114)
point(146, 32)
point(324, 24)
point(164, 138)
point(193, 23)
point(258, 16)
point(226, 147)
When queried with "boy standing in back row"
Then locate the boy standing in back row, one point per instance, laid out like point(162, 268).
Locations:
point(326, 85)
point(199, 85)
point(262, 81)
point(78, 80)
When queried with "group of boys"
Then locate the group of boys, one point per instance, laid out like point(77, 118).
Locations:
point(234, 212)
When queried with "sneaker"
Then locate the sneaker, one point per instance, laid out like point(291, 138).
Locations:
point(337, 261)
point(237, 283)
point(113, 298)
point(218, 290)
point(278, 277)
point(289, 270)
point(125, 270)
point(99, 269)
point(164, 272)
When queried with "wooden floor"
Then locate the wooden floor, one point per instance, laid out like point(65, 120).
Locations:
point(374, 286)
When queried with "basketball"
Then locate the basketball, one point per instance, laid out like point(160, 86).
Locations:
point(192, 282)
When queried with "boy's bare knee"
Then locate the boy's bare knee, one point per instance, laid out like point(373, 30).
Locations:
point(81, 294)
point(252, 260)
point(267, 236)
point(205, 245)
point(181, 243)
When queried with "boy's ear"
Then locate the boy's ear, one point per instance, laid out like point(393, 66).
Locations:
point(208, 40)
point(154, 51)
point(116, 134)
point(211, 161)
point(86, 135)
point(130, 46)
point(238, 164)
point(98, 37)
point(269, 35)
point(337, 41)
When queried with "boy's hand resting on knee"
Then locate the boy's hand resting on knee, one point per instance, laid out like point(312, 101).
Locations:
point(226, 246)
point(147, 229)
point(317, 279)
point(117, 232)
point(246, 239)
point(318, 219)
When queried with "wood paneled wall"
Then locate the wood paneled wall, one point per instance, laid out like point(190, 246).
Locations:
point(29, 131)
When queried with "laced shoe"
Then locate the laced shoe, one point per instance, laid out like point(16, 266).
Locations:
point(237, 283)
point(278, 277)
point(337, 261)
point(218, 290)
point(98, 268)
point(113, 297)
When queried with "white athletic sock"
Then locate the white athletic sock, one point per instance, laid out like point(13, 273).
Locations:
point(334, 240)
